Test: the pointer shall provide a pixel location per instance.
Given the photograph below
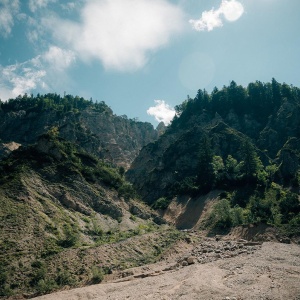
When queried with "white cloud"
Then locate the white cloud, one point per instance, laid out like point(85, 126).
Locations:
point(58, 58)
point(162, 112)
point(19, 79)
point(70, 6)
point(8, 9)
point(34, 5)
point(232, 10)
point(120, 33)
point(44, 72)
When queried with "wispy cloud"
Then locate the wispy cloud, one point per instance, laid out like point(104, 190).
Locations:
point(34, 5)
point(59, 59)
point(120, 33)
point(8, 9)
point(231, 10)
point(44, 72)
point(162, 112)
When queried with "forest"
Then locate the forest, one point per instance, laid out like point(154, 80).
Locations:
point(243, 141)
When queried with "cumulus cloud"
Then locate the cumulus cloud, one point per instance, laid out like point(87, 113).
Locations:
point(120, 33)
point(19, 79)
point(231, 10)
point(162, 112)
point(8, 9)
point(44, 72)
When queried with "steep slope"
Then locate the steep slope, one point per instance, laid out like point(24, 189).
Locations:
point(92, 126)
point(58, 205)
point(242, 141)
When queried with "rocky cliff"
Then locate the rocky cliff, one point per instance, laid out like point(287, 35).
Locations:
point(97, 130)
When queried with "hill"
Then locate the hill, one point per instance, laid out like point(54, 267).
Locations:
point(92, 126)
point(243, 142)
point(60, 206)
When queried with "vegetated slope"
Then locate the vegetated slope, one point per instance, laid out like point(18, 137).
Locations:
point(243, 141)
point(60, 206)
point(92, 126)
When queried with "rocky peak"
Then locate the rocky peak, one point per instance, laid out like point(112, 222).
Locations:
point(115, 139)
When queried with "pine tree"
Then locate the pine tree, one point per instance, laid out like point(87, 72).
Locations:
point(205, 177)
point(251, 163)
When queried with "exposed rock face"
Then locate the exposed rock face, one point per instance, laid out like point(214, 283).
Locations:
point(112, 138)
point(6, 149)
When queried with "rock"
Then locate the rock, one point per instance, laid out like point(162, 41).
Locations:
point(184, 263)
point(191, 260)
point(285, 240)
point(188, 240)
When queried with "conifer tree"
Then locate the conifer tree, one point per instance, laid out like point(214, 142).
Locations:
point(205, 177)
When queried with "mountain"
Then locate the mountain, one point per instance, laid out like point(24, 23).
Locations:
point(64, 198)
point(243, 142)
point(58, 203)
point(85, 193)
point(92, 126)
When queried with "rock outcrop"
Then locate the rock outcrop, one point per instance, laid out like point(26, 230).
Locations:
point(115, 139)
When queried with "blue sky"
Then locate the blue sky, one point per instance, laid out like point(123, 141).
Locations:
point(143, 57)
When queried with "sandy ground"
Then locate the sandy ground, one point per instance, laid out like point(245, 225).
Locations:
point(271, 272)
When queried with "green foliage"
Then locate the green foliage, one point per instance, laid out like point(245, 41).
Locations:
point(65, 278)
point(161, 203)
point(275, 206)
point(71, 237)
point(218, 168)
point(251, 164)
point(121, 171)
point(232, 169)
point(45, 286)
point(187, 186)
point(220, 218)
point(126, 191)
point(97, 274)
point(289, 206)
point(39, 273)
point(61, 105)
point(206, 176)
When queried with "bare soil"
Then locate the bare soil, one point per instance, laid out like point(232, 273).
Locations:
point(205, 268)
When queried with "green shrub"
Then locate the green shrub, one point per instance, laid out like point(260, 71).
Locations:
point(161, 203)
point(46, 286)
point(126, 191)
point(97, 274)
point(65, 278)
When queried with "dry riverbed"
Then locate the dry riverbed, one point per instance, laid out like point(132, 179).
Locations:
point(205, 268)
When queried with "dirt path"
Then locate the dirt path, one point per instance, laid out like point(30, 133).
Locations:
point(270, 271)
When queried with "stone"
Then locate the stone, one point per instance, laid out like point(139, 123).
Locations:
point(190, 260)
point(184, 263)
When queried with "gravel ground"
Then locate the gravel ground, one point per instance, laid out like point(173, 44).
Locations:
point(231, 270)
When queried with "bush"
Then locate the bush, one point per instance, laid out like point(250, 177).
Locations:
point(161, 203)
point(65, 278)
point(46, 286)
point(97, 274)
point(126, 191)
point(220, 217)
